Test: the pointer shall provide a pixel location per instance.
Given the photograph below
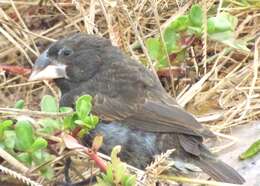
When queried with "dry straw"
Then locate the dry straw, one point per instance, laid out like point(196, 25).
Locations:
point(223, 95)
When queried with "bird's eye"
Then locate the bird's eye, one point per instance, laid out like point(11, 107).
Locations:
point(65, 52)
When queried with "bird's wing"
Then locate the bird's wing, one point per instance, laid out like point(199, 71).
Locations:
point(150, 116)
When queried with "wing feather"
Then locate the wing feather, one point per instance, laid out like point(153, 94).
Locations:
point(149, 116)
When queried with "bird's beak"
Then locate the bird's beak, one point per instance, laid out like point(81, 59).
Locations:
point(44, 68)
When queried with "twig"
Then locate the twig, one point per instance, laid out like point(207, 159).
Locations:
point(205, 35)
point(14, 162)
point(140, 40)
point(33, 113)
point(18, 176)
point(195, 181)
point(255, 67)
point(109, 23)
point(156, 15)
point(32, 3)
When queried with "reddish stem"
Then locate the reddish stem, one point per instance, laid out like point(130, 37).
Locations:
point(188, 40)
point(98, 161)
point(72, 143)
point(75, 132)
point(15, 69)
point(177, 72)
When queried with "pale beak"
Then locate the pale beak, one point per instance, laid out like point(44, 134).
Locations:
point(45, 69)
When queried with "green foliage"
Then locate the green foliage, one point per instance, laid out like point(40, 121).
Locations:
point(69, 121)
point(38, 144)
point(176, 36)
point(171, 38)
point(154, 47)
point(223, 22)
point(117, 173)
point(24, 135)
point(83, 106)
point(196, 16)
point(156, 52)
point(9, 139)
point(229, 39)
point(221, 29)
point(49, 125)
point(180, 24)
point(28, 144)
point(251, 151)
point(23, 140)
point(86, 120)
point(49, 104)
point(4, 126)
point(19, 104)
point(25, 143)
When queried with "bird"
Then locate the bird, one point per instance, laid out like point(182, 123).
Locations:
point(135, 110)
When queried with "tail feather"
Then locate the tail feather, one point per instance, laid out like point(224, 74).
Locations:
point(218, 170)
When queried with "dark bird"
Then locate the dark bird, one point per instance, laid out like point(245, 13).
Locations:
point(136, 111)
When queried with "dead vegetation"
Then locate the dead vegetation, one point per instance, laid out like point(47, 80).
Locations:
point(221, 89)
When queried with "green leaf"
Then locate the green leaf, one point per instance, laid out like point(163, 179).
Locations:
point(24, 135)
point(171, 39)
point(228, 39)
point(80, 122)
point(38, 144)
point(196, 16)
point(97, 142)
point(180, 24)
point(65, 109)
point(25, 158)
point(251, 151)
point(117, 173)
point(47, 172)
point(83, 132)
point(69, 121)
point(223, 22)
point(154, 47)
point(91, 121)
point(49, 104)
point(195, 30)
point(211, 26)
point(4, 125)
point(131, 180)
point(19, 104)
point(40, 157)
point(102, 182)
point(118, 166)
point(109, 174)
point(49, 125)
point(162, 63)
point(231, 19)
point(9, 139)
point(83, 106)
point(222, 36)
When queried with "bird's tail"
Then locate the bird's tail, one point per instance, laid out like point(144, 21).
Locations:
point(217, 169)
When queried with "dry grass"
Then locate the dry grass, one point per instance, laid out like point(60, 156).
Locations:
point(221, 87)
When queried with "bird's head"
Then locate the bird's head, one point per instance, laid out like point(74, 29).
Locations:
point(75, 58)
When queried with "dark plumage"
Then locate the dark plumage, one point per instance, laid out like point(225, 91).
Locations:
point(141, 116)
